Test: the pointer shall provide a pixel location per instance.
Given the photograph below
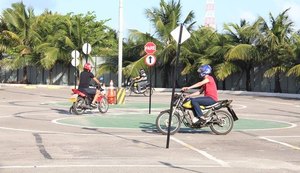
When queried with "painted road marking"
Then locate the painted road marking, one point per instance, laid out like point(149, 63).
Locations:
point(281, 143)
point(204, 153)
point(282, 103)
point(104, 166)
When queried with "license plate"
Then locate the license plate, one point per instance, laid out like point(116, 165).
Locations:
point(73, 98)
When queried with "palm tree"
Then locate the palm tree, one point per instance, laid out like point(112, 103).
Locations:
point(53, 28)
point(277, 42)
point(295, 69)
point(19, 22)
point(243, 52)
point(164, 20)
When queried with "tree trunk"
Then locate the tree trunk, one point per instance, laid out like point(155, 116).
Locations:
point(165, 79)
point(50, 76)
point(224, 84)
point(25, 75)
point(277, 83)
point(248, 78)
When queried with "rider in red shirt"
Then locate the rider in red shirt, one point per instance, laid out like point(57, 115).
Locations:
point(209, 87)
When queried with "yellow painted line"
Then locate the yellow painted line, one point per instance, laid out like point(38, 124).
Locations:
point(121, 96)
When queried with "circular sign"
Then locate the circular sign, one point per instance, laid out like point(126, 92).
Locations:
point(150, 48)
point(75, 62)
point(86, 48)
point(75, 54)
point(150, 60)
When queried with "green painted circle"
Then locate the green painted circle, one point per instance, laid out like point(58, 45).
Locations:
point(147, 122)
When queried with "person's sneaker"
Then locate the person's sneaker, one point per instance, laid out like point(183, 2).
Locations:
point(94, 105)
point(195, 120)
point(205, 119)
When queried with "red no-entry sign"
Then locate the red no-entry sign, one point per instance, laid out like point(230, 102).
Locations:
point(150, 47)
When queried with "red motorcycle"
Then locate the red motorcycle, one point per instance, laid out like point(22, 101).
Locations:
point(82, 102)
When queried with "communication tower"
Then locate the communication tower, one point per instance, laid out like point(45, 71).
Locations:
point(209, 19)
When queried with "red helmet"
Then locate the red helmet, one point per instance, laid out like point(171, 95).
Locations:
point(87, 66)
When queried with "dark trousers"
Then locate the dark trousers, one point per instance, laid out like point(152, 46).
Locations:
point(204, 101)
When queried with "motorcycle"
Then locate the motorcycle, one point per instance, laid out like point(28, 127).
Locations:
point(82, 102)
point(131, 87)
point(219, 121)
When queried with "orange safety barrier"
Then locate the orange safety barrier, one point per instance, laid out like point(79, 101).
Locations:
point(111, 94)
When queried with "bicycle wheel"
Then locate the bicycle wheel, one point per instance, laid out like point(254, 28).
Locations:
point(222, 122)
point(162, 122)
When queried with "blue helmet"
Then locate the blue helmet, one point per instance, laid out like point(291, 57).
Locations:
point(204, 70)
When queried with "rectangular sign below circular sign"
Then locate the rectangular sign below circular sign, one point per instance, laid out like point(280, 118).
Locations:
point(150, 60)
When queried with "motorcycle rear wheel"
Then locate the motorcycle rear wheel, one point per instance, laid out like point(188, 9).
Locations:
point(128, 91)
point(222, 123)
point(78, 106)
point(103, 105)
point(162, 122)
point(148, 92)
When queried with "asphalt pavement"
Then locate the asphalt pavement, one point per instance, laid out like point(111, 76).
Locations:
point(38, 134)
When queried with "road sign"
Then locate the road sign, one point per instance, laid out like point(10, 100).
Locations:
point(150, 60)
point(75, 54)
point(185, 34)
point(75, 62)
point(86, 48)
point(150, 48)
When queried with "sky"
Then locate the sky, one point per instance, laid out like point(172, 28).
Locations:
point(226, 11)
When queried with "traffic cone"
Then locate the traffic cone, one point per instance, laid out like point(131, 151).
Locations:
point(111, 94)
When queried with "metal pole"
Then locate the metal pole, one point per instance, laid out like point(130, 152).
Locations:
point(120, 56)
point(174, 83)
point(75, 74)
point(150, 89)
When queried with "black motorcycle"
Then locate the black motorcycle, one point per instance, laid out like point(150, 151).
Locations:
point(131, 87)
point(220, 121)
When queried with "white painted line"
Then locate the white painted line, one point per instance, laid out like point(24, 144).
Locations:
point(204, 153)
point(5, 116)
point(281, 143)
point(282, 103)
point(104, 166)
point(238, 106)
point(292, 125)
point(79, 134)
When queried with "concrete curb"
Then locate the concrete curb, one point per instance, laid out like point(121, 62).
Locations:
point(166, 90)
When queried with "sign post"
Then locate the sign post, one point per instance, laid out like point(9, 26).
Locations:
point(150, 60)
point(75, 62)
point(180, 34)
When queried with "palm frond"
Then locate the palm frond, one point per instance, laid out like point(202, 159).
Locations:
point(294, 71)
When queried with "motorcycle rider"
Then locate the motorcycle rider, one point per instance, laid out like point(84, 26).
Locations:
point(209, 87)
point(141, 80)
point(84, 80)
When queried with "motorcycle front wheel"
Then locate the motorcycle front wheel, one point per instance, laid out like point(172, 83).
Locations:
point(103, 105)
point(162, 122)
point(78, 106)
point(222, 122)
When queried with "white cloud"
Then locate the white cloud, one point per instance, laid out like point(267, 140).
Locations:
point(248, 16)
point(294, 12)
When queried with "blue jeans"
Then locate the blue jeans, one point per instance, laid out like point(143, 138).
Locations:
point(204, 101)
